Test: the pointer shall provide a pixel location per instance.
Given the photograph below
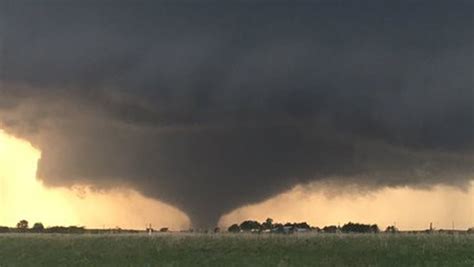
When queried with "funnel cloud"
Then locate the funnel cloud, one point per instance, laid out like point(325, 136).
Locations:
point(209, 106)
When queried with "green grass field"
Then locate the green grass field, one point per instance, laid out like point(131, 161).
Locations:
point(237, 250)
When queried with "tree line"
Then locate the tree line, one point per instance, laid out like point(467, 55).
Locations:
point(23, 227)
point(248, 226)
point(269, 226)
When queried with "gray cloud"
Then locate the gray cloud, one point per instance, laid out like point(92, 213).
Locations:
point(212, 106)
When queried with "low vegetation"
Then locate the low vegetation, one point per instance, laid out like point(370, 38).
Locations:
point(248, 243)
point(225, 249)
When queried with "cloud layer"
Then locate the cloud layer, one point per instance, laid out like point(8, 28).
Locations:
point(212, 106)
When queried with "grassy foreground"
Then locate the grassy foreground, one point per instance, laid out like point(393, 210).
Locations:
point(237, 250)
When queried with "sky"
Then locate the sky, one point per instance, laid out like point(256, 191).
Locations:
point(199, 109)
point(23, 196)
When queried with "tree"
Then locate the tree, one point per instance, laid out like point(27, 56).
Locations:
point(391, 229)
point(374, 229)
point(331, 229)
point(250, 226)
point(268, 224)
point(360, 228)
point(38, 227)
point(303, 225)
point(22, 225)
point(234, 228)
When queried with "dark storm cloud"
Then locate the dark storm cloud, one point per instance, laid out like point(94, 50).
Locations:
point(212, 106)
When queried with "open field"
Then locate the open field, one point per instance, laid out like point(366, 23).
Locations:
point(237, 250)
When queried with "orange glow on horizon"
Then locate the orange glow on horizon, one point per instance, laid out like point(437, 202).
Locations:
point(407, 208)
point(22, 196)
